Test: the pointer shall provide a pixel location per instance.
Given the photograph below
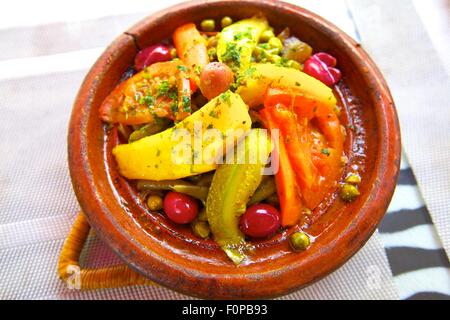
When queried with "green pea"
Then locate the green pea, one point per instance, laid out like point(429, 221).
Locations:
point(154, 202)
point(264, 46)
point(226, 21)
point(294, 64)
point(274, 58)
point(348, 192)
point(266, 35)
point(208, 25)
point(276, 43)
point(201, 229)
point(353, 178)
point(299, 241)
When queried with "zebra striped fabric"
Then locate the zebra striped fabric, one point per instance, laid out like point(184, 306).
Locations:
point(418, 262)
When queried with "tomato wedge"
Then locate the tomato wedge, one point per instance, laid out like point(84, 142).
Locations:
point(112, 110)
point(160, 90)
point(315, 151)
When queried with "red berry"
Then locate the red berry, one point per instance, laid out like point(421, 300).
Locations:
point(180, 208)
point(260, 221)
point(326, 58)
point(335, 74)
point(320, 66)
point(150, 55)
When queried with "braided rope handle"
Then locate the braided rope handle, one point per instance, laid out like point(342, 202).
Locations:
point(70, 271)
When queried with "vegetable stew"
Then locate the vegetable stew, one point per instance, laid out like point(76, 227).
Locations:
point(236, 132)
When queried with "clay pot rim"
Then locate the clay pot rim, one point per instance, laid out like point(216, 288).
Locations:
point(386, 167)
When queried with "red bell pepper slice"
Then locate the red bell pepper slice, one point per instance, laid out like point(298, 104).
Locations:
point(298, 149)
point(285, 179)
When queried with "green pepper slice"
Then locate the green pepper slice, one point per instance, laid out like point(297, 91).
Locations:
point(198, 192)
point(231, 187)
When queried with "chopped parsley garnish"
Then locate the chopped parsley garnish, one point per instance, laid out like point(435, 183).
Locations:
point(242, 78)
point(173, 94)
point(182, 68)
point(225, 97)
point(148, 100)
point(214, 113)
point(163, 88)
point(243, 34)
point(186, 103)
point(325, 151)
point(198, 70)
point(232, 54)
point(174, 106)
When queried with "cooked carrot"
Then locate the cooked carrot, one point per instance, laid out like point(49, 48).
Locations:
point(191, 48)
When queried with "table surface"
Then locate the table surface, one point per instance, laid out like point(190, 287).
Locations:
point(418, 262)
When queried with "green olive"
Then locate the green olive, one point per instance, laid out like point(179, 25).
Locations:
point(208, 25)
point(201, 229)
point(266, 35)
point(348, 192)
point(299, 241)
point(226, 21)
point(154, 202)
point(295, 49)
point(353, 178)
point(276, 43)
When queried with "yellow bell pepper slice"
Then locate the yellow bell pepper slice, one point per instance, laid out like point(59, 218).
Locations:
point(258, 78)
point(237, 41)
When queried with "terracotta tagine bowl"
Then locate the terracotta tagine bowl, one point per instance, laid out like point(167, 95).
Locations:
point(169, 254)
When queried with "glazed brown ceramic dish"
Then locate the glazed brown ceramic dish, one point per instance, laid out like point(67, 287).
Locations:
point(169, 254)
